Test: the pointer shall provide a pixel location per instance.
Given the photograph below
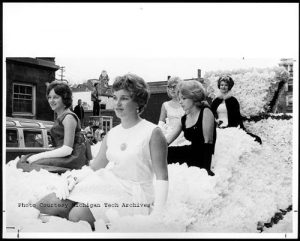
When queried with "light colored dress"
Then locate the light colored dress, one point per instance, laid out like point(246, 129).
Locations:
point(173, 118)
point(127, 182)
point(222, 114)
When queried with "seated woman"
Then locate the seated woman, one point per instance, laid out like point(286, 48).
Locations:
point(226, 107)
point(171, 113)
point(135, 150)
point(198, 126)
point(70, 149)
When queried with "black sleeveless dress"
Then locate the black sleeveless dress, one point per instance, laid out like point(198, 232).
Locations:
point(76, 160)
point(192, 154)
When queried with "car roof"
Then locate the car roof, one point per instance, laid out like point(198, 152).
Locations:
point(28, 123)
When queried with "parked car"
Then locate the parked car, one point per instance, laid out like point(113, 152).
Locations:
point(25, 136)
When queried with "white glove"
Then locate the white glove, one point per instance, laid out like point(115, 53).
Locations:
point(161, 195)
point(62, 191)
point(59, 152)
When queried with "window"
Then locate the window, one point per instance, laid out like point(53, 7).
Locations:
point(50, 143)
point(11, 138)
point(106, 123)
point(23, 98)
point(33, 138)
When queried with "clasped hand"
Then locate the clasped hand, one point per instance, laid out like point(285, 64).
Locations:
point(66, 187)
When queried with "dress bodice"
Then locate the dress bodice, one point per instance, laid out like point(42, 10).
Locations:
point(129, 151)
point(222, 113)
point(57, 130)
point(194, 134)
point(173, 114)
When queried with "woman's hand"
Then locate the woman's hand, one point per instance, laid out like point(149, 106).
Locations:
point(33, 158)
point(71, 181)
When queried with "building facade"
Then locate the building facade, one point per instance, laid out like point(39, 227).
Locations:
point(285, 100)
point(26, 80)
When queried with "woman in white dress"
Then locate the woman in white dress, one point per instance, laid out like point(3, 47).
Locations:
point(136, 151)
point(171, 113)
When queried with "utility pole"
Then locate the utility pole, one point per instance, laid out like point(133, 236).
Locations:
point(62, 70)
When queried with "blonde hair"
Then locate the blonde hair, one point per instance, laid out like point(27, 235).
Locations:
point(175, 80)
point(192, 89)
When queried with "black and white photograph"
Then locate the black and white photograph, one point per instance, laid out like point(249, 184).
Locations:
point(150, 120)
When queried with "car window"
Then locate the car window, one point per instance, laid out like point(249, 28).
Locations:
point(33, 138)
point(11, 138)
point(50, 143)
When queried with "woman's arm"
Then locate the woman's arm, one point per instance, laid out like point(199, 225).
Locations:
point(101, 160)
point(69, 124)
point(158, 152)
point(208, 124)
point(163, 116)
point(174, 134)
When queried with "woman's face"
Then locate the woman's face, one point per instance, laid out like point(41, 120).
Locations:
point(171, 88)
point(55, 101)
point(186, 103)
point(124, 105)
point(224, 88)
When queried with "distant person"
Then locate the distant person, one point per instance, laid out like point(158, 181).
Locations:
point(104, 79)
point(226, 107)
point(98, 134)
point(70, 148)
point(89, 128)
point(171, 113)
point(198, 125)
point(79, 111)
point(95, 96)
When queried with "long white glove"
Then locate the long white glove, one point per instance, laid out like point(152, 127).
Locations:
point(59, 152)
point(161, 195)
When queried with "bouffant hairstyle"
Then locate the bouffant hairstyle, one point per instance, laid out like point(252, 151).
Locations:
point(138, 88)
point(173, 81)
point(228, 80)
point(192, 89)
point(62, 89)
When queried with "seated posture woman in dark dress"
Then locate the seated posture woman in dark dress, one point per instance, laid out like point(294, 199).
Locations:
point(226, 107)
point(70, 149)
point(198, 125)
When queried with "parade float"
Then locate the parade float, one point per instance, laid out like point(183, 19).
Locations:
point(252, 191)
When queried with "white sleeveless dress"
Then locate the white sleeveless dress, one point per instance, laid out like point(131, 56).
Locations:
point(126, 184)
point(173, 118)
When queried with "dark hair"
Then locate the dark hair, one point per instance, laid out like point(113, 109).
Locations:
point(138, 88)
point(228, 80)
point(62, 89)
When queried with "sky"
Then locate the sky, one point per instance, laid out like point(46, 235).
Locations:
point(153, 40)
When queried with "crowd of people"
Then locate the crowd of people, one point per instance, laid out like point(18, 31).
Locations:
point(132, 163)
